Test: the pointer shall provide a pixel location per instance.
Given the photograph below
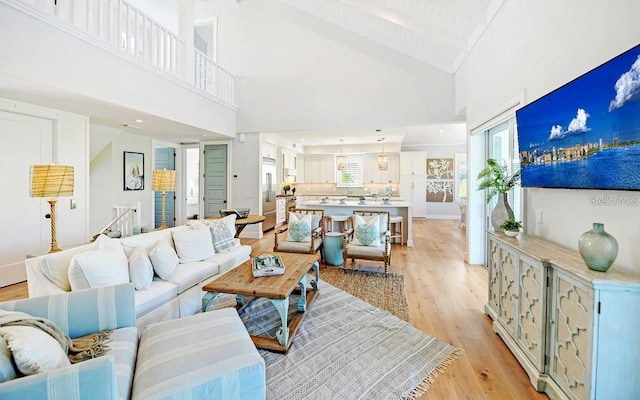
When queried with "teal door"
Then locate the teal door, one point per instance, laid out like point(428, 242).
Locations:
point(165, 158)
point(215, 179)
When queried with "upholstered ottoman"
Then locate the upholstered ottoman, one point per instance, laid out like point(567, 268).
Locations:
point(204, 356)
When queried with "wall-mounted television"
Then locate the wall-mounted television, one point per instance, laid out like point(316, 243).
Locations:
point(585, 134)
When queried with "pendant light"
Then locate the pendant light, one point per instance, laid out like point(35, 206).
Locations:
point(341, 160)
point(383, 159)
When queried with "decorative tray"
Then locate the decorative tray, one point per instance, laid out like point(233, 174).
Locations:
point(267, 265)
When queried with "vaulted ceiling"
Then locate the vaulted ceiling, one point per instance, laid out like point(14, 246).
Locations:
point(439, 33)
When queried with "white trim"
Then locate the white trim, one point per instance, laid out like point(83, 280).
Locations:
point(506, 111)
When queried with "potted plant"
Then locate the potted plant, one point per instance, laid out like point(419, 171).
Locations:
point(497, 180)
point(286, 188)
point(511, 227)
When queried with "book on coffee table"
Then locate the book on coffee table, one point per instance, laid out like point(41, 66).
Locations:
point(267, 265)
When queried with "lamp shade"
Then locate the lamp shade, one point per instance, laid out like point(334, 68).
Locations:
point(51, 180)
point(164, 180)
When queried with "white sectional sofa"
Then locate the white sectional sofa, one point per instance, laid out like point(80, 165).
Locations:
point(161, 293)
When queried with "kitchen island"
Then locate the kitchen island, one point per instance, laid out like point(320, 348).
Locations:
point(334, 207)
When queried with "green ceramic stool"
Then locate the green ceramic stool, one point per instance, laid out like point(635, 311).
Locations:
point(332, 248)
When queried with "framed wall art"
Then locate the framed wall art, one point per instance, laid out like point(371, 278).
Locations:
point(440, 180)
point(133, 171)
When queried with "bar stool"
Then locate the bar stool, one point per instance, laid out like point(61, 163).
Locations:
point(341, 220)
point(397, 228)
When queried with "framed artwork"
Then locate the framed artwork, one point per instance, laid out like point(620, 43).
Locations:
point(440, 180)
point(133, 171)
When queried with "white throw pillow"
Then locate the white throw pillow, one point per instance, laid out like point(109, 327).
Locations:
point(7, 371)
point(34, 351)
point(315, 219)
point(193, 245)
point(140, 269)
point(195, 224)
point(164, 259)
point(299, 229)
point(98, 268)
point(55, 266)
point(366, 231)
point(106, 243)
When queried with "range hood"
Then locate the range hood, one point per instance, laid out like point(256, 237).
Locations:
point(290, 172)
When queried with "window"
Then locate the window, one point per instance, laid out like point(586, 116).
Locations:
point(503, 147)
point(351, 176)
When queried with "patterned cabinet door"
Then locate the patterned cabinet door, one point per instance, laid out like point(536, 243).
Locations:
point(571, 336)
point(532, 309)
point(494, 275)
point(508, 291)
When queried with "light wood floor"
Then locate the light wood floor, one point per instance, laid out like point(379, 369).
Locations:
point(446, 299)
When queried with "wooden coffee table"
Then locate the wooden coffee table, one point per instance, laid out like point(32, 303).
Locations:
point(278, 288)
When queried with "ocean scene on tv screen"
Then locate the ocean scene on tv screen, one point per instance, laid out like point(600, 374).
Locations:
point(586, 134)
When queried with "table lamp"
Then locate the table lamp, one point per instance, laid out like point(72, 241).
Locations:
point(51, 181)
point(164, 180)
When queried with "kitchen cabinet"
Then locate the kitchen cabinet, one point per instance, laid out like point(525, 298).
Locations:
point(281, 210)
point(413, 180)
point(573, 330)
point(371, 173)
point(413, 162)
point(319, 169)
point(269, 150)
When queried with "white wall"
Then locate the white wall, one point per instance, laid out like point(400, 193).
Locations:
point(107, 187)
point(535, 47)
point(295, 73)
point(245, 179)
point(68, 146)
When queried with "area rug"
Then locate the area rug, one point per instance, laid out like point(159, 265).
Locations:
point(348, 349)
point(385, 291)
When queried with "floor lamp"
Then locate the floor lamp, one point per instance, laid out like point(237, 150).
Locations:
point(164, 180)
point(51, 181)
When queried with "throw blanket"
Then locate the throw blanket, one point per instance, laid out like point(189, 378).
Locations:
point(79, 349)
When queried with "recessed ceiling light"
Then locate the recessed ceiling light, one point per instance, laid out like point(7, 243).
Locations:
point(441, 131)
point(139, 120)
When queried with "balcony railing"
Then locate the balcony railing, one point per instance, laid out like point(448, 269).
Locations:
point(213, 79)
point(124, 26)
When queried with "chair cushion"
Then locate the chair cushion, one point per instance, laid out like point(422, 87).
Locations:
point(98, 268)
point(367, 230)
point(123, 347)
point(298, 247)
point(140, 269)
point(208, 355)
point(188, 275)
point(193, 245)
point(164, 259)
point(365, 251)
point(299, 228)
point(158, 294)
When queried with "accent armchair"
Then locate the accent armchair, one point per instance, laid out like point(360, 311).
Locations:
point(369, 237)
point(303, 234)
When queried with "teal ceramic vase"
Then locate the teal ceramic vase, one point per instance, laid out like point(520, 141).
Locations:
point(598, 248)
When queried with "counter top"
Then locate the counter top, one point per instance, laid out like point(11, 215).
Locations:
point(356, 203)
